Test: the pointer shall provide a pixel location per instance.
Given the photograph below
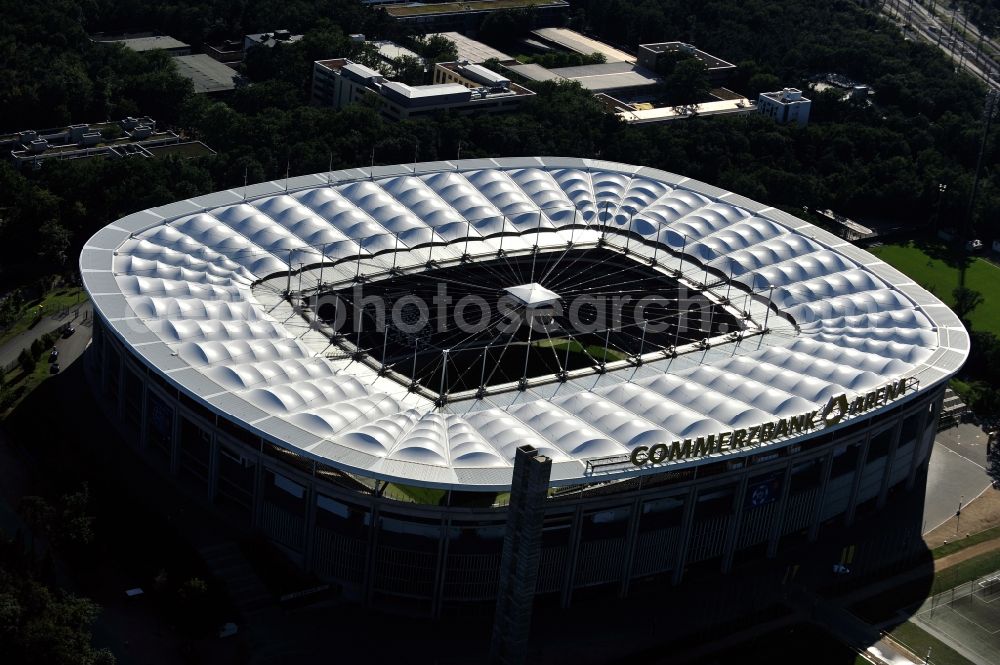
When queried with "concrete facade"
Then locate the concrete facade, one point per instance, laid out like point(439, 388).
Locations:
point(426, 558)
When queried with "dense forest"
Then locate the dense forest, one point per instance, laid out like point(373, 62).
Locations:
point(882, 160)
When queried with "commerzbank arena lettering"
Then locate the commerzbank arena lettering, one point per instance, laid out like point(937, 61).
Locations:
point(837, 408)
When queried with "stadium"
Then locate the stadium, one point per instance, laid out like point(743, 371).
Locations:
point(348, 363)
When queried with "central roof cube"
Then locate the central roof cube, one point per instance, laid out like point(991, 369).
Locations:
point(532, 295)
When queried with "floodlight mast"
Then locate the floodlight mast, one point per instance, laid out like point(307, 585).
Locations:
point(385, 343)
point(322, 262)
point(656, 245)
point(534, 250)
point(565, 373)
point(413, 375)
point(767, 314)
point(523, 383)
point(642, 343)
point(442, 398)
point(482, 375)
point(628, 234)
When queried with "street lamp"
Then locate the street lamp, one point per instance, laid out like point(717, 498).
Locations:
point(958, 514)
point(942, 188)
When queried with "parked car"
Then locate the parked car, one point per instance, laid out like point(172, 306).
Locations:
point(53, 354)
point(54, 368)
point(69, 331)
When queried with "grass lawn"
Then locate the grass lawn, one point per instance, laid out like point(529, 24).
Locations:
point(919, 641)
point(936, 268)
point(23, 384)
point(423, 495)
point(54, 301)
point(966, 571)
point(959, 545)
point(595, 351)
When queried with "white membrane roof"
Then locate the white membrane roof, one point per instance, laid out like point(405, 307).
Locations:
point(194, 289)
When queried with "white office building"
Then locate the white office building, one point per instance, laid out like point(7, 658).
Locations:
point(785, 106)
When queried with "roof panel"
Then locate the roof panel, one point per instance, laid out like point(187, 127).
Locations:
point(861, 323)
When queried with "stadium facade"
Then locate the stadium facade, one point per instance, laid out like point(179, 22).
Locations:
point(801, 387)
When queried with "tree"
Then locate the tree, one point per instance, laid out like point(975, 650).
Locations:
point(408, 69)
point(966, 300)
point(26, 361)
point(37, 512)
point(688, 82)
point(197, 615)
point(54, 243)
point(762, 82)
point(68, 523)
point(993, 458)
point(74, 526)
point(39, 626)
point(437, 48)
point(507, 25)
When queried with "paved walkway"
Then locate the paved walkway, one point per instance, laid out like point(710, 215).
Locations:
point(11, 349)
point(963, 555)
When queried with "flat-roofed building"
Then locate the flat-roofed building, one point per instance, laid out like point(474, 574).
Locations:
point(623, 75)
point(651, 55)
point(269, 39)
point(410, 97)
point(143, 43)
point(472, 51)
point(339, 82)
point(389, 51)
point(470, 75)
point(622, 79)
point(468, 16)
point(533, 72)
point(229, 50)
point(458, 87)
point(785, 106)
point(128, 137)
point(645, 114)
point(206, 73)
point(582, 44)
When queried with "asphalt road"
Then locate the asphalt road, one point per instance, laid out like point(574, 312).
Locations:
point(957, 472)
